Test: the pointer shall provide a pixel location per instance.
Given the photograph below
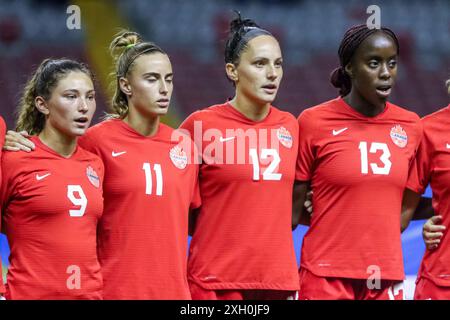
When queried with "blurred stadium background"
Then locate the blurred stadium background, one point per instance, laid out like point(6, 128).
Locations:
point(193, 33)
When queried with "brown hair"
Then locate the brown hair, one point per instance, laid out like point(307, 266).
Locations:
point(125, 48)
point(42, 83)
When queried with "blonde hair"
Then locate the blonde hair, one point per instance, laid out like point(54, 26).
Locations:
point(125, 48)
point(42, 83)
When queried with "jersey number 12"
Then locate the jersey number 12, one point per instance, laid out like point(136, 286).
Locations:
point(269, 173)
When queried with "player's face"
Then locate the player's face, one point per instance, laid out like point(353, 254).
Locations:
point(151, 84)
point(71, 104)
point(260, 70)
point(374, 68)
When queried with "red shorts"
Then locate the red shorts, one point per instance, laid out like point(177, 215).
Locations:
point(200, 293)
point(314, 287)
point(428, 290)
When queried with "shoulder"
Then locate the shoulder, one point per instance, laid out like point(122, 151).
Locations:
point(285, 119)
point(207, 112)
point(90, 159)
point(404, 113)
point(86, 155)
point(436, 122)
point(95, 134)
point(102, 128)
point(406, 118)
point(167, 133)
point(14, 162)
point(204, 115)
point(311, 115)
point(283, 115)
point(442, 115)
point(2, 125)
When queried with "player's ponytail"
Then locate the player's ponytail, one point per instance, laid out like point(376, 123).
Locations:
point(42, 83)
point(353, 37)
point(240, 33)
point(125, 48)
point(341, 80)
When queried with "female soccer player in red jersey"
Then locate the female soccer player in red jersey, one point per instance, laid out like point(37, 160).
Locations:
point(356, 151)
point(150, 179)
point(432, 166)
point(242, 240)
point(2, 140)
point(51, 199)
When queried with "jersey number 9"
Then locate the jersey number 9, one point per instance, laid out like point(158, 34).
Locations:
point(77, 197)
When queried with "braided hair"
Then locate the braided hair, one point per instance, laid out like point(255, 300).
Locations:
point(353, 38)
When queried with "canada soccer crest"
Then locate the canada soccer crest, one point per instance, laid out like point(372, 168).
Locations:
point(93, 176)
point(399, 136)
point(284, 136)
point(178, 157)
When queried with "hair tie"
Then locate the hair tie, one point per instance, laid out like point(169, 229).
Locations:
point(130, 45)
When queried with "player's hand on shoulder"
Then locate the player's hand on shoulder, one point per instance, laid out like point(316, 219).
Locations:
point(16, 141)
point(432, 232)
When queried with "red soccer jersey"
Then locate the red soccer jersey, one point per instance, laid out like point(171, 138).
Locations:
point(51, 206)
point(358, 168)
point(432, 165)
point(149, 187)
point(2, 141)
point(243, 236)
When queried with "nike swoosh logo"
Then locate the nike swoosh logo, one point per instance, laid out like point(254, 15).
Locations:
point(116, 154)
point(448, 146)
point(222, 139)
point(336, 132)
point(39, 178)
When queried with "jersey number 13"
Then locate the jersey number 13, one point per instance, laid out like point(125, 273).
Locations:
point(384, 158)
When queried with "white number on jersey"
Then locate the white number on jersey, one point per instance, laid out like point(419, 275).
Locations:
point(395, 290)
point(148, 178)
point(374, 147)
point(80, 200)
point(268, 174)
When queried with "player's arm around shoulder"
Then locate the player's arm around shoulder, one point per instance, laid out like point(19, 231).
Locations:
point(18, 141)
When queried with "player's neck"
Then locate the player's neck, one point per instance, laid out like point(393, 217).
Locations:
point(147, 126)
point(249, 109)
point(58, 142)
point(361, 105)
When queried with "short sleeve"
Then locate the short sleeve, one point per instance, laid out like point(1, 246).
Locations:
point(306, 154)
point(420, 170)
point(10, 178)
point(2, 133)
point(188, 123)
point(87, 142)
